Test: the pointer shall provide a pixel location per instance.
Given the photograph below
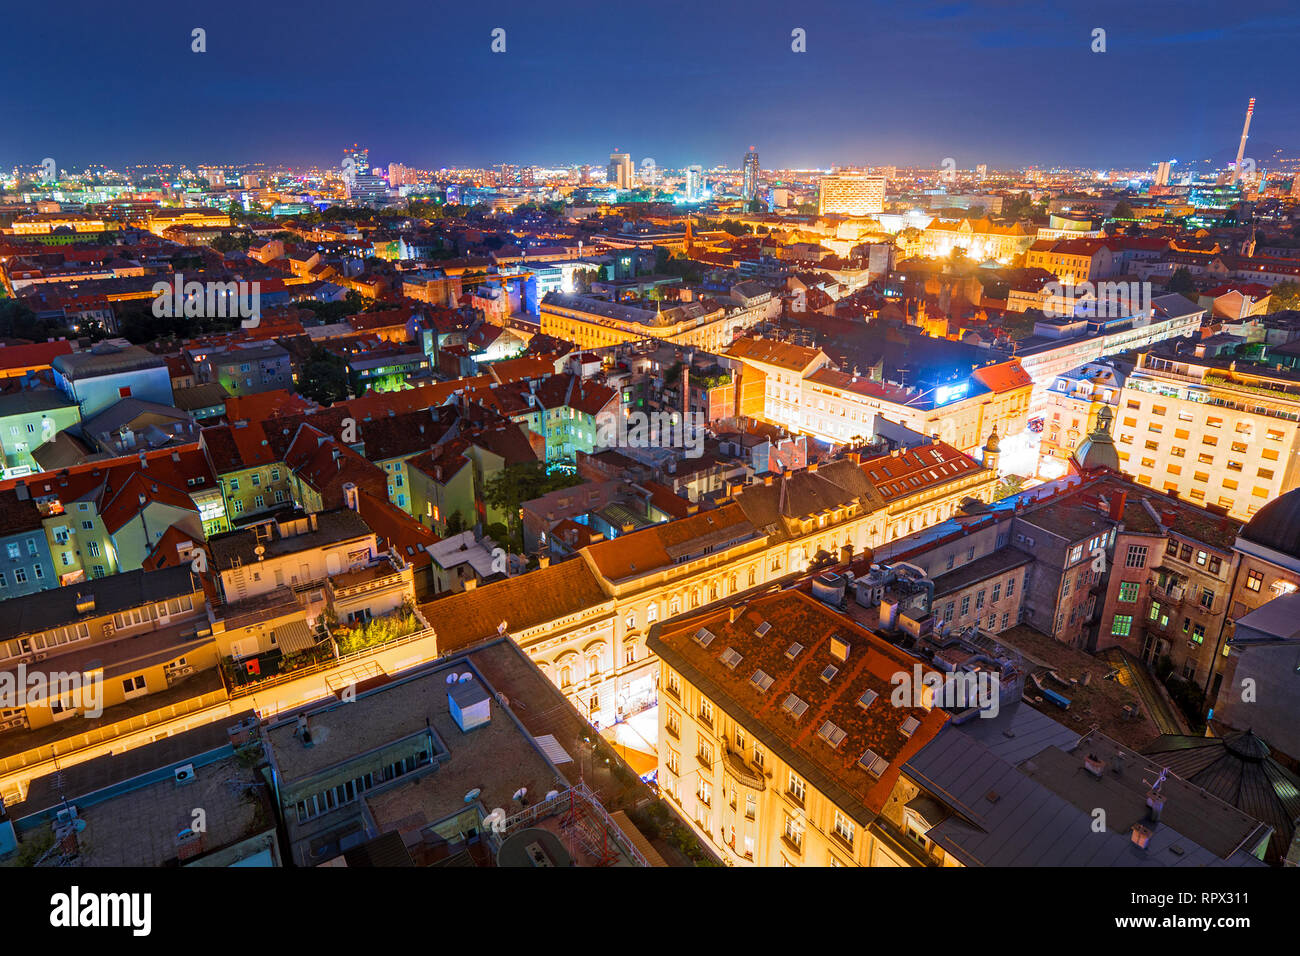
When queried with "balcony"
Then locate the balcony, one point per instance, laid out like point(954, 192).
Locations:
point(743, 772)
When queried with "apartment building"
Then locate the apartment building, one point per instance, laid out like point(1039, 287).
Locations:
point(778, 740)
point(1213, 431)
point(590, 322)
point(102, 643)
point(801, 392)
point(585, 621)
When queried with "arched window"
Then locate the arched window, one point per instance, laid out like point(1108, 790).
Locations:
point(566, 676)
point(593, 665)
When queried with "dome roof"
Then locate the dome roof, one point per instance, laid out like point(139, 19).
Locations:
point(1098, 449)
point(993, 444)
point(1277, 525)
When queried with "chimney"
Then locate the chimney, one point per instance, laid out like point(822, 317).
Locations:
point(1155, 804)
point(350, 496)
point(1094, 765)
point(470, 584)
point(1117, 503)
point(812, 468)
point(731, 614)
point(767, 480)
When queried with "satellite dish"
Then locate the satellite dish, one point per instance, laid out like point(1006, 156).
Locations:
point(473, 795)
point(465, 678)
point(260, 549)
point(451, 678)
point(552, 794)
point(519, 794)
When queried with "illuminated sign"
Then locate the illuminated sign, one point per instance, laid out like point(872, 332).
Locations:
point(950, 393)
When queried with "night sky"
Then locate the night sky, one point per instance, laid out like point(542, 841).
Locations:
point(682, 82)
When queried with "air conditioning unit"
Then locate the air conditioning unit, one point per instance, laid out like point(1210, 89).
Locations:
point(184, 775)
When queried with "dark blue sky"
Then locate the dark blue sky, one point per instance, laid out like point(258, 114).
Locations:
point(683, 82)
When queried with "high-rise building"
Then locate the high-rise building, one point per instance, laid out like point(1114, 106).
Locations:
point(360, 160)
point(982, 171)
point(749, 189)
point(216, 177)
point(1162, 173)
point(1295, 186)
point(1224, 439)
point(695, 183)
point(851, 194)
point(620, 171)
point(399, 175)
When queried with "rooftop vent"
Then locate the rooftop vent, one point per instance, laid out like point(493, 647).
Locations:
point(839, 649)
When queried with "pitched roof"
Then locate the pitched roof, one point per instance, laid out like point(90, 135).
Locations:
point(522, 602)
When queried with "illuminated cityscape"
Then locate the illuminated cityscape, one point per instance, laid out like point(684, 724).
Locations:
point(567, 465)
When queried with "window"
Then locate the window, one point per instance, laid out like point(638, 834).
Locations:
point(997, 591)
point(760, 755)
point(1137, 556)
point(1254, 580)
point(133, 685)
point(706, 712)
point(844, 828)
point(1011, 586)
point(797, 788)
point(672, 723)
point(751, 811)
point(965, 605)
point(1128, 591)
point(704, 793)
point(20, 576)
point(1122, 625)
point(794, 831)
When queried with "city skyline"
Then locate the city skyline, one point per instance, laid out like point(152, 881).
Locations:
point(1044, 65)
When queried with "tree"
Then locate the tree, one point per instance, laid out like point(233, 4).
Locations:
point(1181, 282)
point(523, 481)
point(324, 377)
point(1122, 210)
point(1286, 296)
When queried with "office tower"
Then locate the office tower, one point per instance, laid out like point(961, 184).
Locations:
point(1241, 149)
point(620, 171)
point(851, 194)
point(367, 188)
point(750, 187)
point(216, 177)
point(360, 160)
point(694, 183)
point(251, 181)
point(982, 171)
point(1295, 186)
point(1162, 173)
